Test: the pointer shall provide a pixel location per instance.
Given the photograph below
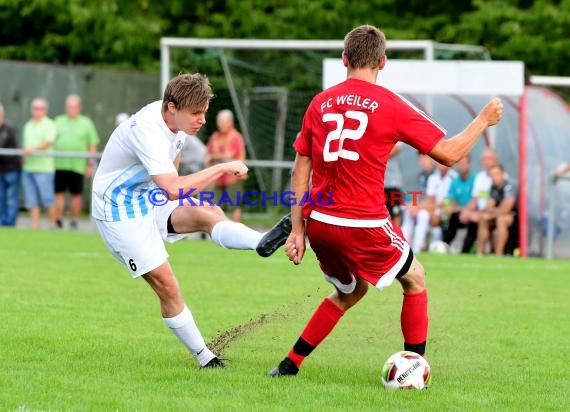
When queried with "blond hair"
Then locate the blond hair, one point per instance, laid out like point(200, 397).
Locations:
point(188, 91)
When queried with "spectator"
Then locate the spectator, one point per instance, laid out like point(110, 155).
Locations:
point(193, 154)
point(393, 186)
point(500, 212)
point(38, 176)
point(471, 214)
point(75, 133)
point(427, 167)
point(458, 198)
point(120, 118)
point(10, 171)
point(429, 213)
point(225, 145)
point(414, 205)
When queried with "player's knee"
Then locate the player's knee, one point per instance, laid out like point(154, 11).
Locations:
point(346, 301)
point(414, 280)
point(169, 293)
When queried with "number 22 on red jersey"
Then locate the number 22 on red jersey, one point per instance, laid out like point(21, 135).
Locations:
point(340, 133)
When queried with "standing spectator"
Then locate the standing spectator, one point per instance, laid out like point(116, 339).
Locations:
point(38, 177)
point(75, 133)
point(120, 118)
point(458, 198)
point(10, 170)
point(500, 212)
point(225, 145)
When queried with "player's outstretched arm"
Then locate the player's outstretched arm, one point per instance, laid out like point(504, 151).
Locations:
point(177, 185)
point(295, 244)
point(450, 151)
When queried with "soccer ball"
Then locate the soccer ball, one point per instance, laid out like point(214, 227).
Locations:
point(406, 370)
point(438, 247)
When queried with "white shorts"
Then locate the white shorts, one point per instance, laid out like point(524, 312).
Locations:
point(139, 243)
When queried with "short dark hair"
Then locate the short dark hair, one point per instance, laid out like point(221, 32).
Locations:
point(364, 46)
point(188, 91)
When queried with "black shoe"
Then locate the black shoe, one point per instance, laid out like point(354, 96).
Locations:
point(214, 363)
point(275, 238)
point(59, 224)
point(285, 368)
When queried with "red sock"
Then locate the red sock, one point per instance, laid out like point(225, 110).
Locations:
point(414, 320)
point(319, 326)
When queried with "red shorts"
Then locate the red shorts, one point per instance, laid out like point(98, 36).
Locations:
point(377, 255)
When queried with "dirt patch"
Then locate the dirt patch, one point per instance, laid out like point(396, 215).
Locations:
point(225, 338)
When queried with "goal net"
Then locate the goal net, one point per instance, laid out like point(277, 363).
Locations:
point(269, 83)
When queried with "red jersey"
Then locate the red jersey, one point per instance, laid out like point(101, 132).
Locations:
point(348, 132)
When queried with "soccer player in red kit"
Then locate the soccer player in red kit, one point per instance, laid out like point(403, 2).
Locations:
point(347, 134)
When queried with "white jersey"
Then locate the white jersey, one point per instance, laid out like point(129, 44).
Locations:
point(481, 189)
point(438, 186)
point(138, 148)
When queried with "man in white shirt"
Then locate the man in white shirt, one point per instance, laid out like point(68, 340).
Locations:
point(471, 214)
point(139, 200)
point(429, 215)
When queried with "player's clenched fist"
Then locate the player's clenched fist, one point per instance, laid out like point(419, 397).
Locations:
point(236, 167)
point(492, 112)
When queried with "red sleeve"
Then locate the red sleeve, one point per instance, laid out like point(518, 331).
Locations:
point(302, 143)
point(415, 127)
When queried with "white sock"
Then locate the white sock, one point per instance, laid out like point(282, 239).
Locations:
point(235, 235)
point(422, 227)
point(185, 329)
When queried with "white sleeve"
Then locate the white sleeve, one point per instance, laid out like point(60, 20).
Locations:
point(152, 148)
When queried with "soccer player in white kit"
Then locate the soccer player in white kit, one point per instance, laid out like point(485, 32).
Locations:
point(139, 200)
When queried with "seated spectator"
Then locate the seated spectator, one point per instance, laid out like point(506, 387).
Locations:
point(429, 212)
point(471, 214)
point(411, 208)
point(499, 214)
point(393, 186)
point(458, 199)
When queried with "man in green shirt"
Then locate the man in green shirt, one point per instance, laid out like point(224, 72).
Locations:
point(75, 133)
point(38, 171)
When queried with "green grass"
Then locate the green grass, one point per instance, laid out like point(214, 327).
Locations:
point(78, 334)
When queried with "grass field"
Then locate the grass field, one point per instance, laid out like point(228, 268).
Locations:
point(78, 334)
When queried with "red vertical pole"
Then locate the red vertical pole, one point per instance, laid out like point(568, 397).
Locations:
point(523, 158)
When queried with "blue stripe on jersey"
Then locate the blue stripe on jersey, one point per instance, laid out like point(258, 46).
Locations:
point(142, 203)
point(130, 190)
point(131, 182)
point(111, 184)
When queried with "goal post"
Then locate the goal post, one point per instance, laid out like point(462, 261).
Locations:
point(427, 47)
